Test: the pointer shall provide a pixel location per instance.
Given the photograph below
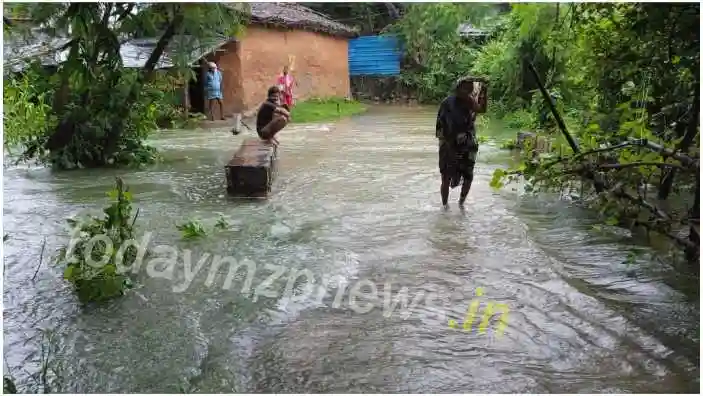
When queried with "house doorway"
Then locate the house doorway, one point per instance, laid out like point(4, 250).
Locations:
point(196, 92)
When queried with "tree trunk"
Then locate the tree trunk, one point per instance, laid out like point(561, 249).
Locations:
point(392, 11)
point(693, 255)
point(186, 100)
point(668, 180)
point(203, 78)
point(146, 75)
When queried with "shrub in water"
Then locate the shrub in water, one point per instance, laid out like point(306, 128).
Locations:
point(100, 279)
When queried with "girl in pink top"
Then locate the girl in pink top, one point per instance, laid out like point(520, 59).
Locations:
point(285, 84)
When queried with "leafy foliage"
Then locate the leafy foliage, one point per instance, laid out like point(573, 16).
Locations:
point(435, 54)
point(101, 112)
point(93, 266)
point(623, 76)
point(26, 111)
point(367, 18)
point(192, 230)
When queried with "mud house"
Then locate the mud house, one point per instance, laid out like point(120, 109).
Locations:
point(314, 46)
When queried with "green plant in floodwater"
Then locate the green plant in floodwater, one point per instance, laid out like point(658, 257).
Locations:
point(5, 237)
point(192, 230)
point(221, 224)
point(631, 258)
point(508, 144)
point(95, 274)
point(49, 377)
point(520, 119)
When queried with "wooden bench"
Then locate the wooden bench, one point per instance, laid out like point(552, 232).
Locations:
point(251, 170)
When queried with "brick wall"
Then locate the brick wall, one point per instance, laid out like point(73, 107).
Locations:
point(320, 63)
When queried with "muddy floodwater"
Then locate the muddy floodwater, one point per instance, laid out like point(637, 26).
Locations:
point(355, 202)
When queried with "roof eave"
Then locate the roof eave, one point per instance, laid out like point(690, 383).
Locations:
point(303, 26)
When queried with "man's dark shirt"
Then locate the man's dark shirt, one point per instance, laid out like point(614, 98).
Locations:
point(454, 118)
point(265, 114)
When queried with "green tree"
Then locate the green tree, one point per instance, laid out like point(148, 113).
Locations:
point(435, 54)
point(101, 111)
point(627, 76)
point(367, 18)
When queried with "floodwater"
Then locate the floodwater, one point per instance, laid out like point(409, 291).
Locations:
point(356, 202)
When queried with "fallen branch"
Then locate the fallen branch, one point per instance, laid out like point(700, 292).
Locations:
point(552, 107)
point(41, 258)
point(638, 200)
point(685, 160)
point(683, 242)
point(135, 218)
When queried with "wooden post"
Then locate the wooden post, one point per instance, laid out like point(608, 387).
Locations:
point(237, 124)
point(203, 79)
point(186, 100)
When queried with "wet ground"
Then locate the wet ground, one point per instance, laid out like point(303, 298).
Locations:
point(355, 203)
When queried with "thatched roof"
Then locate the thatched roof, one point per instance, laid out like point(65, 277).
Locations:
point(296, 16)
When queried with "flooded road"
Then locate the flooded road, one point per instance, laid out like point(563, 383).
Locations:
point(356, 203)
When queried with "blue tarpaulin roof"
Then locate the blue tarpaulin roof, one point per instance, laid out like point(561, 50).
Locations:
point(374, 56)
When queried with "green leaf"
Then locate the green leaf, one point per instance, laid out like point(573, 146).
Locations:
point(612, 221)
point(497, 179)
point(68, 272)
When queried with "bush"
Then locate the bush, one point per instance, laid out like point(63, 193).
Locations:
point(96, 275)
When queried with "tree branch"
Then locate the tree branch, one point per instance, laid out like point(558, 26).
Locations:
point(687, 161)
point(636, 164)
point(147, 73)
point(161, 45)
point(126, 12)
point(688, 138)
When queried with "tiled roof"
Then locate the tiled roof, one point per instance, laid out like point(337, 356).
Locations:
point(18, 51)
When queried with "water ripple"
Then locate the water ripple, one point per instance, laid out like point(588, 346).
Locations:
point(357, 200)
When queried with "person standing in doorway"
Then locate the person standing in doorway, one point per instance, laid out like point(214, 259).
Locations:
point(285, 85)
point(456, 132)
point(213, 85)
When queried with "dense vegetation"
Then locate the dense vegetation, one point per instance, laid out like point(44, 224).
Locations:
point(626, 78)
point(623, 79)
point(90, 110)
point(624, 83)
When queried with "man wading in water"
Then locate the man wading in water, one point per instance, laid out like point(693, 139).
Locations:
point(456, 132)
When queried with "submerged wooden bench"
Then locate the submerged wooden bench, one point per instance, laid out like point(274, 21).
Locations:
point(251, 170)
